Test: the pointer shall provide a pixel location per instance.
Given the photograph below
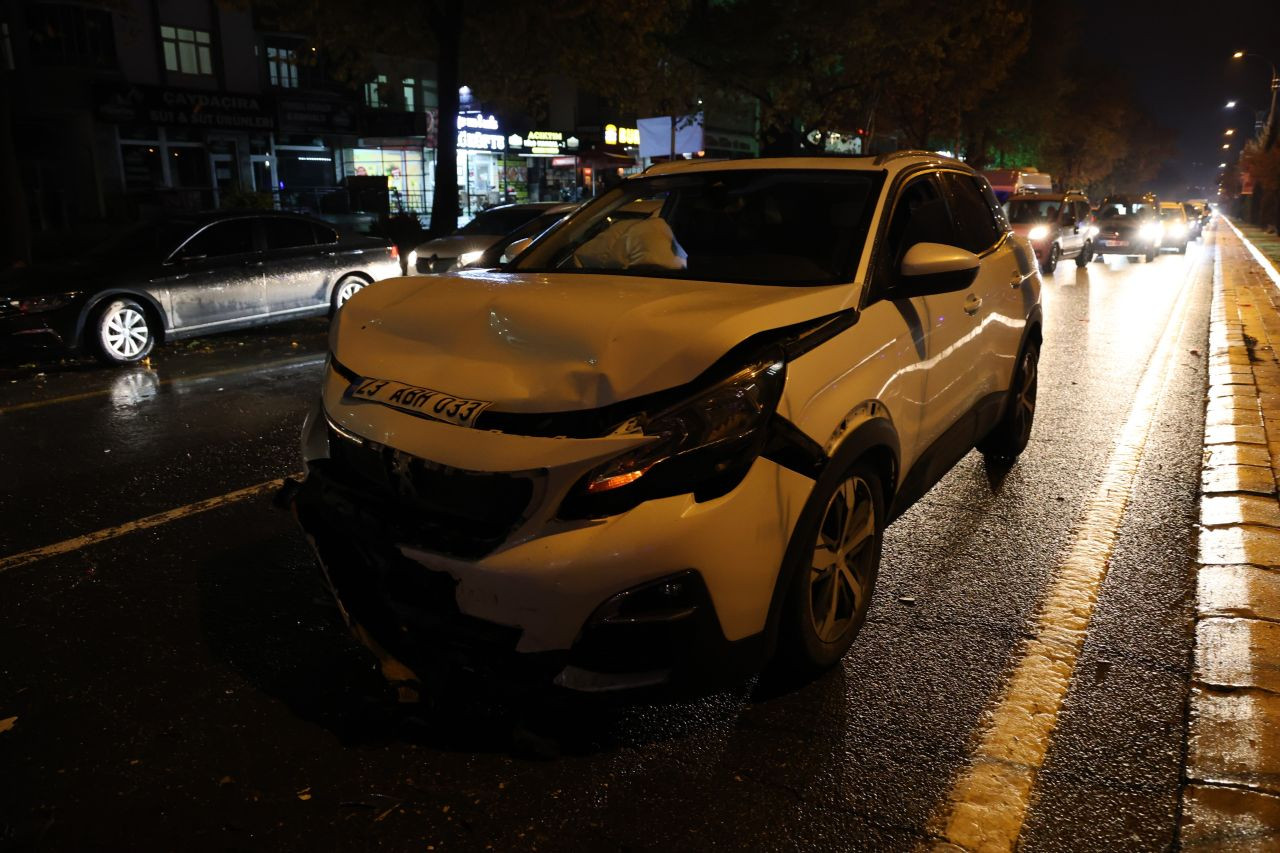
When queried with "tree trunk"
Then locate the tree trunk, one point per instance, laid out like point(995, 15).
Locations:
point(15, 238)
point(446, 21)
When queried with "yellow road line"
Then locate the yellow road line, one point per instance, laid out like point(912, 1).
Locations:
point(988, 802)
point(156, 520)
point(212, 374)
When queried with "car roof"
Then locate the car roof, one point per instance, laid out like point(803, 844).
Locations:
point(896, 161)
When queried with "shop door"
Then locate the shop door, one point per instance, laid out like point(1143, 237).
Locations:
point(226, 174)
point(264, 179)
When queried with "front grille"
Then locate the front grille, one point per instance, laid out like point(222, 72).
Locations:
point(446, 510)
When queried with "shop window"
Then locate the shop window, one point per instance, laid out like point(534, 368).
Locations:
point(282, 67)
point(62, 34)
point(409, 85)
point(186, 50)
point(373, 91)
point(142, 167)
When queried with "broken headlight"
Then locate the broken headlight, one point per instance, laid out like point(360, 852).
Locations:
point(702, 445)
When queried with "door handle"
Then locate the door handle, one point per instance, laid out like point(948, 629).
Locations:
point(972, 304)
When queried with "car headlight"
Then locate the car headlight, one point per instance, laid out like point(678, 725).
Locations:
point(41, 304)
point(1038, 233)
point(703, 445)
point(1150, 231)
point(466, 259)
point(1176, 230)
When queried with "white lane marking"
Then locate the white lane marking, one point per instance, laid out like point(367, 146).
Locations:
point(1263, 261)
point(67, 545)
point(988, 802)
point(282, 364)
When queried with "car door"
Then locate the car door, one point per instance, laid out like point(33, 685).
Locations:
point(295, 270)
point(215, 278)
point(1000, 311)
point(940, 326)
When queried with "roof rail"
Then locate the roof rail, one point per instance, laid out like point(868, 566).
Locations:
point(907, 152)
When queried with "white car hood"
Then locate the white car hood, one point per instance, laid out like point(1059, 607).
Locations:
point(454, 245)
point(535, 342)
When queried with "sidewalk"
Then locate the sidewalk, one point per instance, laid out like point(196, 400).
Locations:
point(1231, 797)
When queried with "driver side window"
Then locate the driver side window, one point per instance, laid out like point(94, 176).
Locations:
point(920, 215)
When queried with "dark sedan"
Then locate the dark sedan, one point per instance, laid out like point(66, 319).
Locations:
point(190, 276)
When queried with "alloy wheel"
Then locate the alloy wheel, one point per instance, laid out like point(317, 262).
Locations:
point(1026, 400)
point(346, 290)
point(124, 332)
point(840, 574)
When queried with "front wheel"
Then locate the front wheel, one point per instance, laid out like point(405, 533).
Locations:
point(836, 553)
point(1010, 435)
point(120, 333)
point(1086, 255)
point(1051, 260)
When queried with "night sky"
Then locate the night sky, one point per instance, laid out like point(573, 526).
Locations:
point(1178, 58)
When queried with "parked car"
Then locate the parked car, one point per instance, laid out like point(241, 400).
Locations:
point(1203, 210)
point(1175, 230)
point(465, 246)
point(190, 275)
point(1128, 225)
point(659, 449)
point(1059, 225)
point(497, 253)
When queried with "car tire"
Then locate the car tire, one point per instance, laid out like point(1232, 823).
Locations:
point(1182, 250)
point(1086, 255)
point(347, 287)
point(121, 332)
point(826, 605)
point(1010, 435)
point(1151, 254)
point(1051, 262)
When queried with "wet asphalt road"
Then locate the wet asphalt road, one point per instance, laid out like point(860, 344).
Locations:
point(189, 684)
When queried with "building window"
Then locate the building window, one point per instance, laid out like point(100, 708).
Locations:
point(282, 66)
point(373, 91)
point(62, 34)
point(187, 51)
point(410, 85)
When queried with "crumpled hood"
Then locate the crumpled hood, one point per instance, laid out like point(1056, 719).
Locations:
point(533, 342)
point(454, 245)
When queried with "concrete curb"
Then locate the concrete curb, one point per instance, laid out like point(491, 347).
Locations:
point(1231, 799)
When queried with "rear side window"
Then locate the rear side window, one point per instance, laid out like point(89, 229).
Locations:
point(233, 237)
point(976, 226)
point(288, 233)
point(324, 235)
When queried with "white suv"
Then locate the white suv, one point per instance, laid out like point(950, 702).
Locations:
point(661, 445)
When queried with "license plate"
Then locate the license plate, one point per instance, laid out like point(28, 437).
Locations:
point(436, 405)
point(1115, 242)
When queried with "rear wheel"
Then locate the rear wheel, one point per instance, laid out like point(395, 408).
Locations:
point(347, 287)
point(120, 332)
point(1151, 254)
point(1051, 260)
point(1010, 436)
point(837, 558)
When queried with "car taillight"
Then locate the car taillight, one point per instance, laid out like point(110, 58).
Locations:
point(395, 252)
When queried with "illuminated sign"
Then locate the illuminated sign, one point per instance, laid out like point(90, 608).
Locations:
point(542, 143)
point(614, 135)
point(478, 132)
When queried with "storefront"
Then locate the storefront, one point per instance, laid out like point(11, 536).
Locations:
point(482, 165)
point(552, 171)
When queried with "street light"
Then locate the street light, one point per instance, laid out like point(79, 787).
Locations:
point(1226, 145)
point(1231, 105)
point(1230, 131)
point(1269, 127)
point(1222, 165)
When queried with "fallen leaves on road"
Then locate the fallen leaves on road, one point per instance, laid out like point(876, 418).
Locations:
point(7, 723)
point(305, 793)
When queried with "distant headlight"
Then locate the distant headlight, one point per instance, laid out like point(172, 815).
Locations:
point(1038, 233)
point(466, 259)
point(1151, 231)
point(413, 259)
point(41, 304)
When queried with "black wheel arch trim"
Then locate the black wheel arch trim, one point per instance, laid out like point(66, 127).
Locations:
point(874, 437)
point(91, 305)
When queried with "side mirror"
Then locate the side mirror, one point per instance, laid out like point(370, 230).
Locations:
point(936, 268)
point(514, 249)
